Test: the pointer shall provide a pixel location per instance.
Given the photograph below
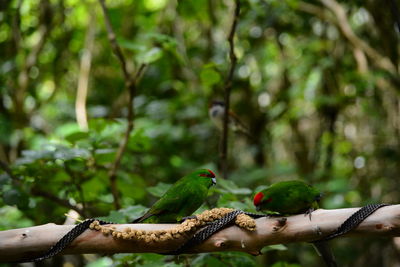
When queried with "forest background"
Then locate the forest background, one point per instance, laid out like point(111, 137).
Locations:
point(316, 82)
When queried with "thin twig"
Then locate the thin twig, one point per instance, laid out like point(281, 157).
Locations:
point(227, 89)
point(62, 202)
point(16, 23)
point(140, 72)
point(209, 30)
point(113, 41)
point(340, 19)
point(130, 83)
point(77, 184)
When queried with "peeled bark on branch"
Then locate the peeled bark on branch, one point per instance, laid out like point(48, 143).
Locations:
point(25, 243)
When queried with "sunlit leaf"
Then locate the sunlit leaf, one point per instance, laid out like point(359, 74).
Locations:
point(273, 247)
point(76, 136)
point(151, 55)
point(209, 77)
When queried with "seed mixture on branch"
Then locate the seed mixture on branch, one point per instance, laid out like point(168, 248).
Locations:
point(187, 228)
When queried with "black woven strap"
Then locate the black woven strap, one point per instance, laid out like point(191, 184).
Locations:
point(211, 229)
point(66, 240)
point(353, 221)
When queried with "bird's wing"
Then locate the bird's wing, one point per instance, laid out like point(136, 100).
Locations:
point(160, 207)
point(171, 201)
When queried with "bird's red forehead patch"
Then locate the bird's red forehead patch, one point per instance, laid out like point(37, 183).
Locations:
point(209, 175)
point(257, 198)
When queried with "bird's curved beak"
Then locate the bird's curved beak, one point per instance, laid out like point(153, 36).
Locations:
point(214, 181)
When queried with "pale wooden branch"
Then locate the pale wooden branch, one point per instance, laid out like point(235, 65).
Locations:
point(25, 243)
point(84, 74)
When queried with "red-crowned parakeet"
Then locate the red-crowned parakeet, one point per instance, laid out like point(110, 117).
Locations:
point(181, 199)
point(293, 197)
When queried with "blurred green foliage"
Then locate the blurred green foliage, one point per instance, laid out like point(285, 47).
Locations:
point(319, 108)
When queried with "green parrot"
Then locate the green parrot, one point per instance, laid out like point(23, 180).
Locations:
point(181, 199)
point(294, 197)
point(287, 198)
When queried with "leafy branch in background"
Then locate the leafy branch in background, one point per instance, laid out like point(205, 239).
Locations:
point(36, 191)
point(131, 81)
point(228, 87)
point(344, 137)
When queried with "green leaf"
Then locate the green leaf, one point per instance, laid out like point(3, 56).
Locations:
point(222, 259)
point(5, 129)
point(207, 260)
point(76, 136)
point(65, 153)
point(285, 264)
point(16, 197)
point(131, 186)
point(114, 216)
point(161, 38)
point(273, 247)
point(139, 141)
point(344, 147)
point(209, 77)
point(133, 212)
point(11, 197)
point(37, 154)
point(150, 56)
point(67, 129)
point(103, 156)
point(159, 189)
point(155, 5)
point(230, 200)
point(12, 217)
point(4, 179)
point(131, 45)
point(95, 187)
point(230, 186)
point(102, 262)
